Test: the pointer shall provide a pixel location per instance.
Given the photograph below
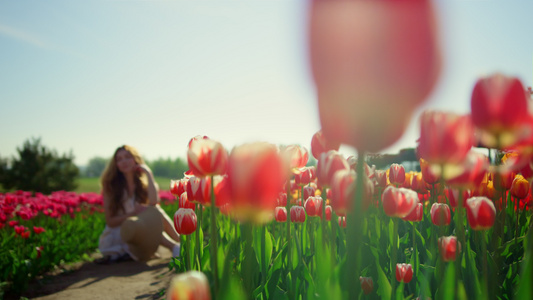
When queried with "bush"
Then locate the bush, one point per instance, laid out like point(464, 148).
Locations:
point(38, 169)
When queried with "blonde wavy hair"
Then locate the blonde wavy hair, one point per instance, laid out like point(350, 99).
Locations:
point(113, 182)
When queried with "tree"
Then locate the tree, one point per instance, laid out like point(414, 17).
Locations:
point(166, 167)
point(96, 166)
point(38, 169)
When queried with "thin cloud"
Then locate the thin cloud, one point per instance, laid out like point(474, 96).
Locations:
point(23, 36)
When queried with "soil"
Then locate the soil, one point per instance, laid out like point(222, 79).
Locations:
point(88, 280)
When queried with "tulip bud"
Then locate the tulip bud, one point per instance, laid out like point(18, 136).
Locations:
point(404, 273)
point(396, 174)
point(207, 157)
point(328, 213)
point(480, 212)
point(319, 144)
point(342, 221)
point(184, 202)
point(280, 213)
point(313, 206)
point(309, 191)
point(185, 221)
point(520, 187)
point(297, 214)
point(398, 202)
point(448, 247)
point(440, 214)
point(367, 285)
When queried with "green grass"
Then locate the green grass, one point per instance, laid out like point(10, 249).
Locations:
point(92, 184)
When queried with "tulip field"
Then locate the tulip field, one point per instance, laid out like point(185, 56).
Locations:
point(41, 232)
point(417, 234)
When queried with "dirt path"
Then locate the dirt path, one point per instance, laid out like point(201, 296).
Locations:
point(125, 280)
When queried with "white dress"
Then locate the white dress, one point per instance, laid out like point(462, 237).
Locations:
point(110, 242)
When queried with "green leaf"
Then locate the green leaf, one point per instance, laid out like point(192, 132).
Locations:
point(446, 290)
point(384, 288)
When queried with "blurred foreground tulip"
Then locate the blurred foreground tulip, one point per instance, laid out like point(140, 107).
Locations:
point(404, 273)
point(256, 175)
point(499, 107)
point(480, 212)
point(191, 285)
point(445, 138)
point(373, 63)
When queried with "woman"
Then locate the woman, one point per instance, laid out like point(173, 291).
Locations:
point(128, 188)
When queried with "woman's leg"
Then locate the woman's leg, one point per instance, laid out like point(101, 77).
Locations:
point(168, 226)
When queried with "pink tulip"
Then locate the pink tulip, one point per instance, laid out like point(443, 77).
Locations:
point(319, 144)
point(329, 163)
point(396, 174)
point(191, 285)
point(448, 247)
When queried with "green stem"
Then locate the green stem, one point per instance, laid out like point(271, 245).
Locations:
point(199, 243)
point(214, 237)
point(247, 267)
point(355, 231)
point(394, 257)
point(485, 267)
point(263, 261)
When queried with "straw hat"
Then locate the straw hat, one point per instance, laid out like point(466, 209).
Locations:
point(143, 233)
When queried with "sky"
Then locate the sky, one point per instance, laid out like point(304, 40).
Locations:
point(88, 76)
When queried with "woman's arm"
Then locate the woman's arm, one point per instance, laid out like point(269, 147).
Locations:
point(116, 220)
point(153, 189)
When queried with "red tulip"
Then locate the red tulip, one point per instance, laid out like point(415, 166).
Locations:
point(328, 212)
point(416, 214)
point(295, 157)
point(329, 163)
point(319, 144)
point(222, 190)
point(313, 206)
point(428, 176)
point(184, 202)
point(480, 212)
point(520, 187)
point(196, 138)
point(445, 138)
point(343, 189)
point(500, 109)
point(280, 213)
point(38, 230)
point(373, 63)
point(309, 191)
point(367, 285)
point(256, 174)
point(191, 285)
point(453, 197)
point(207, 157)
point(13, 223)
point(199, 190)
point(398, 202)
point(404, 273)
point(282, 199)
point(39, 250)
point(297, 214)
point(342, 221)
point(185, 221)
point(303, 177)
point(177, 187)
point(396, 174)
point(448, 247)
point(381, 178)
point(440, 214)
point(470, 173)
